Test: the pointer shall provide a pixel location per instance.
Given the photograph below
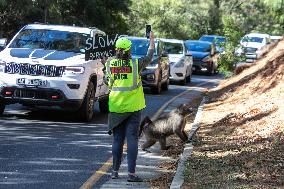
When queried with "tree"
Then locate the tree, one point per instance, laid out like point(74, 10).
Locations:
point(16, 13)
point(168, 18)
point(107, 15)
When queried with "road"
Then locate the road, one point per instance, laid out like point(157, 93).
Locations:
point(48, 149)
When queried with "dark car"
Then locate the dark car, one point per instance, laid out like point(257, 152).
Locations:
point(156, 74)
point(217, 40)
point(203, 55)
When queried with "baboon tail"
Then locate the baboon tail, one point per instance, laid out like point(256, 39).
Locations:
point(145, 121)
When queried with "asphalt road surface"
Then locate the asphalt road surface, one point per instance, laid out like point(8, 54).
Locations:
point(49, 149)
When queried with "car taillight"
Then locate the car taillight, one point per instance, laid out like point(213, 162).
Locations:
point(74, 70)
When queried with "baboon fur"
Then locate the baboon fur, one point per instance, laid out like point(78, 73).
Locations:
point(158, 130)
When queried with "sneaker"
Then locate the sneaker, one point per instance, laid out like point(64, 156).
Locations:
point(114, 175)
point(134, 178)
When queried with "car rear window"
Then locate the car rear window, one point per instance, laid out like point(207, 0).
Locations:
point(173, 48)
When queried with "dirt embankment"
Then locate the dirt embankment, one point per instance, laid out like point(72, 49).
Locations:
point(241, 140)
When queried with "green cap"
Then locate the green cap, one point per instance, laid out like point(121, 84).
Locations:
point(123, 43)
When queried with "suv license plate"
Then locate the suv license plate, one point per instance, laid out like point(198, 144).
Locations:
point(31, 82)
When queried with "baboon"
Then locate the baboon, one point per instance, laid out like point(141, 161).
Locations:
point(172, 123)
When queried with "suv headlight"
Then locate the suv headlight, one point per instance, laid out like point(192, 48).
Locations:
point(74, 70)
point(2, 66)
point(179, 64)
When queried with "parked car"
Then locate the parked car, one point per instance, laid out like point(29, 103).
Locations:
point(3, 42)
point(156, 74)
point(253, 46)
point(180, 60)
point(203, 54)
point(217, 40)
point(276, 38)
point(45, 65)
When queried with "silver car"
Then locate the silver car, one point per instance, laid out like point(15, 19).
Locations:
point(180, 60)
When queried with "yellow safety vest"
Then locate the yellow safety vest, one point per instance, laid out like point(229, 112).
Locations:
point(126, 93)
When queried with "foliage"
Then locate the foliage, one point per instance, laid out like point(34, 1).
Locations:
point(105, 14)
point(233, 33)
point(166, 17)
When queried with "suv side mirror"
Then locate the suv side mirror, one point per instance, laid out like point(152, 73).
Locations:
point(3, 42)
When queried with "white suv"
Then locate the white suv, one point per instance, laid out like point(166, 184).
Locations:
point(44, 65)
point(180, 61)
point(254, 45)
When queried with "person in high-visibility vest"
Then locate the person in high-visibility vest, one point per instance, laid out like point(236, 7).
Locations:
point(126, 100)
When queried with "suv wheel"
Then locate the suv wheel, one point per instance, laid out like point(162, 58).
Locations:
point(183, 82)
point(86, 111)
point(157, 89)
point(103, 105)
point(2, 108)
point(210, 71)
point(216, 71)
point(165, 86)
point(188, 78)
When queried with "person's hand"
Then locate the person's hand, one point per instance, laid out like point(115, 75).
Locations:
point(152, 40)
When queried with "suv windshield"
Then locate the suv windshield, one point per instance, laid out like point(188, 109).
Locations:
point(198, 46)
point(140, 47)
point(50, 40)
point(173, 48)
point(252, 39)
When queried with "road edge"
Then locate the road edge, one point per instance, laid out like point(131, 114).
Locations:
point(178, 179)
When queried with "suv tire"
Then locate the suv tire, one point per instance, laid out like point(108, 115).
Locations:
point(86, 110)
point(2, 108)
point(103, 105)
point(188, 78)
point(157, 89)
point(165, 86)
point(210, 71)
point(183, 82)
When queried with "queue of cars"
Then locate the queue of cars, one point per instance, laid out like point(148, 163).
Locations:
point(44, 65)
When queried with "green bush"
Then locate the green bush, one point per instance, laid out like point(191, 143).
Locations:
point(233, 33)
